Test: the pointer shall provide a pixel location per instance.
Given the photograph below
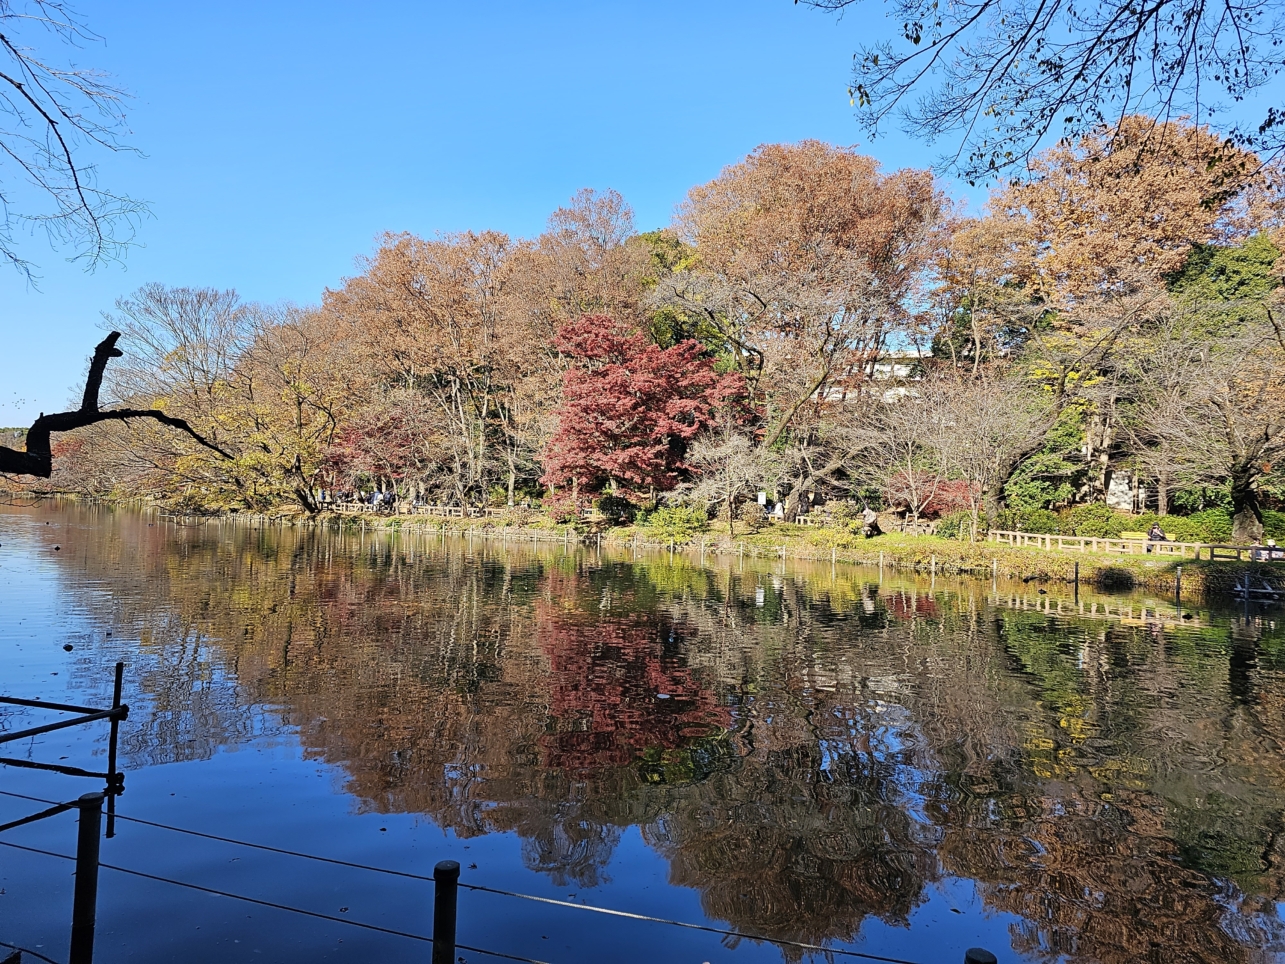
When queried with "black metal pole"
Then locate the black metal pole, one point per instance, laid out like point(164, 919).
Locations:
point(975, 955)
point(113, 778)
point(446, 878)
point(85, 899)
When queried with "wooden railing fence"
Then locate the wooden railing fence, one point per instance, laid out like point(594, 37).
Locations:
point(1186, 550)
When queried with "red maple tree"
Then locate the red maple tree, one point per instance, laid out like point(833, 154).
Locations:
point(629, 408)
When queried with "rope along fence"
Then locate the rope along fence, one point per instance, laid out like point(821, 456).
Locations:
point(972, 956)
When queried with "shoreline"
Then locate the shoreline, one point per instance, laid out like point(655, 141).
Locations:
point(928, 555)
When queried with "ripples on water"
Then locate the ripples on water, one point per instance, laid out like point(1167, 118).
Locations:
point(904, 767)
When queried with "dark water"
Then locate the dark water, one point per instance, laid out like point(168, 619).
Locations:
point(899, 767)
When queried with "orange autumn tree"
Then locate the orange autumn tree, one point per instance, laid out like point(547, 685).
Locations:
point(1112, 213)
point(809, 263)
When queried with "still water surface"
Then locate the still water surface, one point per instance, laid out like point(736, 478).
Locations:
point(895, 766)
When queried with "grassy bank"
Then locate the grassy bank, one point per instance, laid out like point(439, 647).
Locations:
point(893, 550)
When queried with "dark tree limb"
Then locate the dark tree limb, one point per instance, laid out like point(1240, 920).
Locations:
point(37, 460)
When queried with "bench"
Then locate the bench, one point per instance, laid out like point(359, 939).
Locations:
point(1134, 535)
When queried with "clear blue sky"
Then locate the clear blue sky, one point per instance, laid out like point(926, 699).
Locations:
point(281, 139)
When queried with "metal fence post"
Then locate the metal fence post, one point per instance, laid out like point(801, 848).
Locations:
point(85, 895)
point(975, 955)
point(446, 878)
point(115, 781)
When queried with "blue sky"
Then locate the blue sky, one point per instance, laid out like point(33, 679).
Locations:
point(280, 139)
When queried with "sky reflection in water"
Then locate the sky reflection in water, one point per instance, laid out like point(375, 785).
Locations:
point(903, 768)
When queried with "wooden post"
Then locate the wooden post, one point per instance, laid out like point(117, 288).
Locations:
point(85, 894)
point(446, 879)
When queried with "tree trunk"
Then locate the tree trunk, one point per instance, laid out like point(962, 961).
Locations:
point(304, 495)
point(1247, 516)
point(992, 502)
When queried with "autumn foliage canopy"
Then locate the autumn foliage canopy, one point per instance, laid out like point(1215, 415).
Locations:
point(630, 408)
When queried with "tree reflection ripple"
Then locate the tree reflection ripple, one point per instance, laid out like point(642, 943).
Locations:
point(810, 750)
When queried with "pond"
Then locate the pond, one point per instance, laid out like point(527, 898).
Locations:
point(834, 756)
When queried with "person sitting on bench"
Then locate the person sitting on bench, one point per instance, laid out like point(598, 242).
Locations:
point(1156, 535)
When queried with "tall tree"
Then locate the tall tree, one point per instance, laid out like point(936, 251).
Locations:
point(809, 262)
point(268, 387)
point(429, 317)
point(1106, 215)
point(1214, 410)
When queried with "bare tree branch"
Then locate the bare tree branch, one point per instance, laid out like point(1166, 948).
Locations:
point(999, 75)
point(49, 115)
point(37, 460)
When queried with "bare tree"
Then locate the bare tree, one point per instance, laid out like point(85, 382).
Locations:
point(729, 467)
point(905, 449)
point(51, 112)
point(1214, 409)
point(981, 431)
point(998, 76)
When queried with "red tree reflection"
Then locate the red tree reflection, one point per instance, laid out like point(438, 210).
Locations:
point(619, 682)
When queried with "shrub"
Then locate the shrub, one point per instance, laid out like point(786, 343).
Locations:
point(753, 515)
point(1212, 525)
point(845, 515)
point(1216, 524)
point(1274, 524)
point(955, 525)
point(562, 508)
point(951, 496)
point(617, 508)
point(677, 522)
point(1096, 520)
point(1028, 520)
point(1099, 521)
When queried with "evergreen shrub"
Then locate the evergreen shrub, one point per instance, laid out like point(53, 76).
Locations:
point(677, 522)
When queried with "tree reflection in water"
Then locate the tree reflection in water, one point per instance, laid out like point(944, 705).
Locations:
point(807, 751)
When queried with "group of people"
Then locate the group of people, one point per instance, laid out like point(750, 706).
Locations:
point(1265, 553)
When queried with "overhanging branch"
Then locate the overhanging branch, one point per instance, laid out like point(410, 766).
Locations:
point(37, 460)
